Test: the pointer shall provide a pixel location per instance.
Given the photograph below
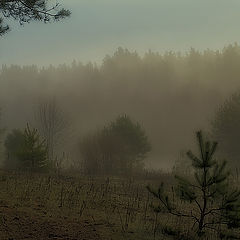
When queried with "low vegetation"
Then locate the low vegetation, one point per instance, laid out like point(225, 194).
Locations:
point(203, 206)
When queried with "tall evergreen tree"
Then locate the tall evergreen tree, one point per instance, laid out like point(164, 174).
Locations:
point(212, 200)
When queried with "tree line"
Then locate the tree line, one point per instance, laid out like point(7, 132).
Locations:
point(120, 147)
point(170, 94)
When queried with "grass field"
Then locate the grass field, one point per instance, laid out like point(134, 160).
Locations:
point(35, 206)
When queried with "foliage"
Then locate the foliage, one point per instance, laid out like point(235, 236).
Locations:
point(33, 154)
point(226, 128)
point(25, 11)
point(26, 150)
point(212, 200)
point(119, 147)
point(13, 145)
point(129, 141)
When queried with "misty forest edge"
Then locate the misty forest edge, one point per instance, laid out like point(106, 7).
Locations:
point(105, 172)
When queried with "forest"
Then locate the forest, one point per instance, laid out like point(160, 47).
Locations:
point(170, 95)
point(83, 139)
point(142, 144)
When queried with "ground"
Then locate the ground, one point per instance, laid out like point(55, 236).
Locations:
point(22, 224)
point(43, 206)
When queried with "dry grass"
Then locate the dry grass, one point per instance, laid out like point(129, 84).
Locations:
point(112, 208)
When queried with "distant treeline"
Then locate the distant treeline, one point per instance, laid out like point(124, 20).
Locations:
point(171, 95)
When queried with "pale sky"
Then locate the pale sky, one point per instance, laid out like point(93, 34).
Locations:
point(99, 27)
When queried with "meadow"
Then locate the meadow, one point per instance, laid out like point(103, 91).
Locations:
point(43, 206)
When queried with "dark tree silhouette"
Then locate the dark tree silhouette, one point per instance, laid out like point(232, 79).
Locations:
point(33, 154)
point(212, 200)
point(25, 11)
point(119, 147)
point(26, 150)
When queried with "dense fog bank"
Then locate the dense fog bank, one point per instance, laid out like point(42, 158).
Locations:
point(171, 95)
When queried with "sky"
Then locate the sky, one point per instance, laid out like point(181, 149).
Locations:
point(99, 27)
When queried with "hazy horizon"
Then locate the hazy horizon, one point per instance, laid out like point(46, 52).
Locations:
point(97, 29)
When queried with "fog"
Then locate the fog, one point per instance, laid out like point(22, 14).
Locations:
point(170, 95)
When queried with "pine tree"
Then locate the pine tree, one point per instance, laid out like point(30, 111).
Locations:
point(25, 11)
point(212, 200)
point(33, 154)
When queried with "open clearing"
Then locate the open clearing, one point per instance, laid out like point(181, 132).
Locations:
point(35, 206)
